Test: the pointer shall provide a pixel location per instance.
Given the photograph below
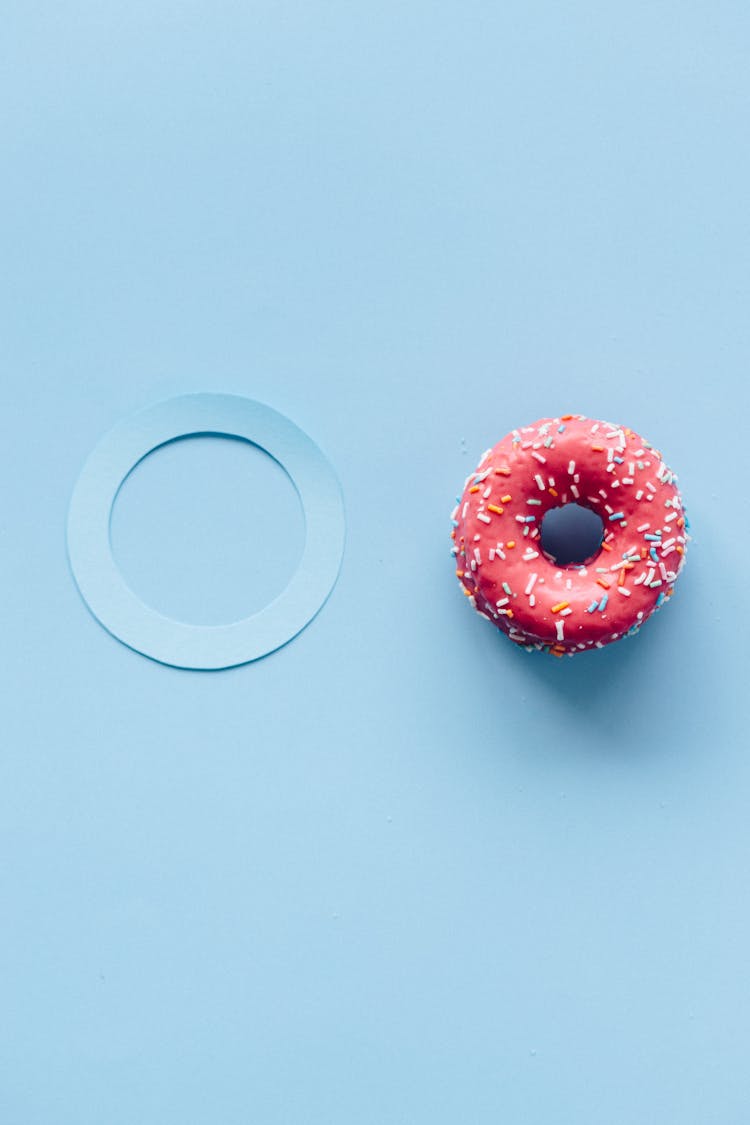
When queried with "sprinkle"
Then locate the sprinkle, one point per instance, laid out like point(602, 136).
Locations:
point(617, 516)
point(606, 547)
point(575, 491)
point(566, 612)
point(572, 468)
point(475, 488)
point(486, 493)
point(565, 417)
point(559, 606)
point(530, 583)
point(539, 457)
point(540, 482)
point(532, 600)
point(643, 527)
point(507, 588)
point(495, 508)
point(483, 518)
point(560, 626)
point(491, 554)
point(511, 544)
point(603, 603)
point(502, 602)
point(623, 590)
point(506, 499)
point(502, 471)
point(561, 429)
point(533, 501)
point(530, 555)
point(598, 448)
point(592, 607)
point(603, 583)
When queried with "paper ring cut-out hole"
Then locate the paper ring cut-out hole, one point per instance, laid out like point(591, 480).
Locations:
point(144, 629)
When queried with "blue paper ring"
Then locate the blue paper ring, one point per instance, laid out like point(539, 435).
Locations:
point(144, 629)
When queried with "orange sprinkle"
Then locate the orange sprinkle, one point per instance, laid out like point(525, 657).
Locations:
point(606, 547)
point(511, 543)
point(679, 550)
point(552, 491)
point(467, 593)
point(681, 522)
point(494, 508)
point(507, 498)
point(621, 578)
point(644, 552)
point(509, 613)
point(502, 471)
point(565, 417)
point(597, 448)
point(559, 606)
point(475, 488)
point(602, 583)
point(459, 574)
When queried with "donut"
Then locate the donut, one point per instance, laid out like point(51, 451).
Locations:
point(508, 576)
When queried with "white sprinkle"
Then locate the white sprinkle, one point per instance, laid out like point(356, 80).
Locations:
point(603, 493)
point(502, 602)
point(530, 583)
point(530, 555)
point(551, 481)
point(487, 492)
point(566, 612)
point(539, 457)
point(465, 510)
point(627, 480)
point(491, 554)
point(671, 516)
point(532, 601)
point(639, 494)
point(624, 591)
point(572, 467)
point(560, 625)
point(478, 555)
point(631, 468)
point(575, 491)
point(615, 484)
point(540, 482)
point(643, 527)
point(484, 519)
point(650, 486)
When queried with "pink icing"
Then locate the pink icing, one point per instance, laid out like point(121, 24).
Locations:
point(556, 461)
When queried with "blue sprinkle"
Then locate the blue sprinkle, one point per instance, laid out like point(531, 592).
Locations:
point(455, 523)
point(561, 428)
point(530, 519)
point(654, 538)
point(660, 599)
point(619, 460)
point(652, 552)
point(617, 516)
point(592, 607)
point(548, 442)
point(603, 602)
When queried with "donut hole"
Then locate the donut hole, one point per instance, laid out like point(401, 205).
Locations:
point(571, 534)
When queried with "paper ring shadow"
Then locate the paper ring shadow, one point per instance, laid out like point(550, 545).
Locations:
point(144, 629)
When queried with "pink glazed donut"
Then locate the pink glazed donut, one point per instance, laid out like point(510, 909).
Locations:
point(519, 587)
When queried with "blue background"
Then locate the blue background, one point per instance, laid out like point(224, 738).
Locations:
point(398, 871)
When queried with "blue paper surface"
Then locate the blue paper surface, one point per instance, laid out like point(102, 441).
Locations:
point(397, 871)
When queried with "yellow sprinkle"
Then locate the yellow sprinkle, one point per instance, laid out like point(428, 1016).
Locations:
point(559, 606)
point(502, 471)
point(511, 543)
point(494, 508)
point(507, 498)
